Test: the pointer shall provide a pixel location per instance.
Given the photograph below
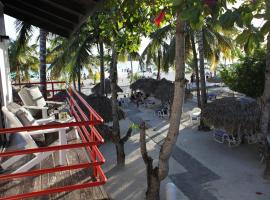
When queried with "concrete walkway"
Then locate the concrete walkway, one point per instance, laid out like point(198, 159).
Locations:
point(201, 168)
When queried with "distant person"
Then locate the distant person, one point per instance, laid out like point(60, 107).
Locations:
point(84, 76)
point(192, 78)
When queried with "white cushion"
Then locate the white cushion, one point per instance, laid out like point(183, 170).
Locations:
point(25, 117)
point(36, 96)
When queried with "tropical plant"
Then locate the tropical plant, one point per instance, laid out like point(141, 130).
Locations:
point(250, 38)
point(157, 51)
point(247, 76)
point(23, 60)
point(25, 32)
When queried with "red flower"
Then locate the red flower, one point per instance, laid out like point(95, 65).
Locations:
point(159, 18)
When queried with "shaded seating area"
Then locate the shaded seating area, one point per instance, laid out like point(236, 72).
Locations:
point(34, 101)
point(35, 142)
point(236, 120)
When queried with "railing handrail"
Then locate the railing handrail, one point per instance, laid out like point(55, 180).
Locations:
point(40, 83)
point(90, 140)
point(47, 127)
point(91, 110)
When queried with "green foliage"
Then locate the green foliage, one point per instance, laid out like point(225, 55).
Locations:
point(247, 76)
point(23, 59)
point(134, 77)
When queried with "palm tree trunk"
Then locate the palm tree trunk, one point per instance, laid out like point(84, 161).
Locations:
point(178, 99)
point(202, 71)
point(116, 127)
point(159, 64)
point(74, 82)
point(79, 78)
point(131, 70)
point(202, 126)
point(266, 109)
point(196, 67)
point(102, 70)
point(42, 58)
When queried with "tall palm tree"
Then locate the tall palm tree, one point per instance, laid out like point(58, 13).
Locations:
point(71, 54)
point(25, 31)
point(156, 52)
point(42, 59)
point(23, 61)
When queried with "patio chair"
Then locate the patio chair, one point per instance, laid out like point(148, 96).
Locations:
point(164, 112)
point(222, 136)
point(212, 96)
point(195, 115)
point(26, 140)
point(34, 101)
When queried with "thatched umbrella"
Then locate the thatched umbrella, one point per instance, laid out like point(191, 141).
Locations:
point(164, 90)
point(103, 106)
point(146, 85)
point(235, 115)
point(107, 82)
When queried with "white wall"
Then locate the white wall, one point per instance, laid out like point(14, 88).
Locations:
point(5, 83)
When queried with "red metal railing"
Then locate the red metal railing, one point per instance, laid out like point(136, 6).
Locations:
point(54, 88)
point(90, 140)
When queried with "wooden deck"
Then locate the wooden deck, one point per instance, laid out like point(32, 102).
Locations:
point(58, 179)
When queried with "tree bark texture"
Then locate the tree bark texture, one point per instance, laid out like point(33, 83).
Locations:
point(116, 127)
point(131, 70)
point(202, 72)
point(42, 59)
point(153, 183)
point(264, 126)
point(178, 99)
point(196, 68)
point(159, 64)
point(102, 70)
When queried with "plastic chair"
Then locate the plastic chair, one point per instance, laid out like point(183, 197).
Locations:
point(26, 141)
point(34, 101)
point(195, 115)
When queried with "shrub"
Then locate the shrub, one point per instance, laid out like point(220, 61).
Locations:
point(247, 76)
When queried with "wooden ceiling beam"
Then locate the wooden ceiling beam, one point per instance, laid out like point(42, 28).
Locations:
point(68, 5)
point(41, 15)
point(36, 21)
point(47, 8)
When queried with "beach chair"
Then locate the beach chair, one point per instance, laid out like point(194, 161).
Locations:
point(195, 115)
point(222, 136)
point(164, 112)
point(212, 96)
point(29, 139)
point(34, 101)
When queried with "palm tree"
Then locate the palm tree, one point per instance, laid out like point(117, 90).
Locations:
point(69, 55)
point(156, 52)
point(211, 43)
point(42, 59)
point(102, 68)
point(25, 31)
point(23, 60)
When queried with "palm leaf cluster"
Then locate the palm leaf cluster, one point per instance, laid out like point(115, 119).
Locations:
point(69, 55)
point(23, 59)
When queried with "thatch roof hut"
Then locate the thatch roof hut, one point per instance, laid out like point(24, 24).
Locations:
point(146, 85)
point(164, 90)
point(103, 106)
point(235, 115)
point(107, 82)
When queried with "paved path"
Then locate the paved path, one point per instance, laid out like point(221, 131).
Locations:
point(190, 182)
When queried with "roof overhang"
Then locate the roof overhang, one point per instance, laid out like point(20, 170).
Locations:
point(62, 17)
